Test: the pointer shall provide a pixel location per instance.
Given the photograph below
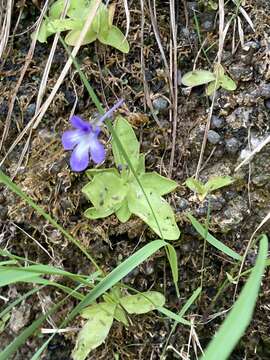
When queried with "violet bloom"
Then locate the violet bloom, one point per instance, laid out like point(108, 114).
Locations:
point(83, 140)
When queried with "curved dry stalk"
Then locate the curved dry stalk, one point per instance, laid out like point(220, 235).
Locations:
point(5, 30)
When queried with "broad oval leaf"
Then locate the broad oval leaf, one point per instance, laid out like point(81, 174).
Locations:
point(240, 316)
point(63, 25)
point(72, 37)
point(143, 302)
point(218, 182)
point(129, 141)
point(212, 87)
point(95, 330)
point(227, 83)
point(160, 184)
point(115, 38)
point(123, 212)
point(163, 220)
point(197, 77)
point(100, 23)
point(195, 185)
point(106, 190)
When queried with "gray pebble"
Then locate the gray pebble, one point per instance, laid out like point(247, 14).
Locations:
point(160, 104)
point(213, 137)
point(208, 25)
point(232, 145)
point(31, 110)
point(182, 204)
point(217, 122)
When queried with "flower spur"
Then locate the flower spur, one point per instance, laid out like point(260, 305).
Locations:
point(84, 142)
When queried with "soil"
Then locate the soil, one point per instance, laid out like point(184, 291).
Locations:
point(239, 118)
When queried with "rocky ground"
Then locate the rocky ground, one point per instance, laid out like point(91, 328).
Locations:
point(240, 122)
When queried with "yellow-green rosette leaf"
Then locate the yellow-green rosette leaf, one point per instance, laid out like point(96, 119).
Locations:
point(160, 184)
point(162, 222)
point(143, 302)
point(95, 330)
point(115, 38)
point(73, 36)
point(197, 77)
point(227, 83)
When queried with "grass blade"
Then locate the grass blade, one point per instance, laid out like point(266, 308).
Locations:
point(240, 316)
point(212, 240)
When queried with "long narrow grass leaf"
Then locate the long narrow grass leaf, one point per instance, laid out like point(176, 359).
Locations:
point(212, 240)
point(240, 316)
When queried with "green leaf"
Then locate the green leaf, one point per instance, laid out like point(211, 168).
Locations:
point(172, 257)
point(115, 38)
point(106, 192)
point(13, 276)
point(197, 77)
point(92, 172)
point(79, 9)
point(212, 87)
point(227, 83)
point(100, 23)
point(240, 316)
point(123, 213)
point(218, 182)
point(141, 165)
point(59, 25)
point(95, 330)
point(160, 184)
point(116, 275)
point(56, 9)
point(164, 215)
point(129, 141)
point(72, 37)
point(195, 185)
point(143, 302)
point(212, 240)
point(120, 315)
point(43, 33)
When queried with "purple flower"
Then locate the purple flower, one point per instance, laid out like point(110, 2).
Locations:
point(83, 140)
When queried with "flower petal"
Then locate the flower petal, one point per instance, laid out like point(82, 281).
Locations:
point(97, 150)
point(79, 123)
point(79, 159)
point(71, 138)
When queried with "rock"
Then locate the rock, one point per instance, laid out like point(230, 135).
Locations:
point(240, 117)
point(182, 204)
point(232, 145)
point(217, 122)
point(213, 137)
point(267, 103)
point(19, 317)
point(160, 104)
point(233, 215)
point(241, 72)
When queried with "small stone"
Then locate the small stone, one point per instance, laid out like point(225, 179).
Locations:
point(182, 204)
point(232, 145)
point(160, 104)
point(31, 110)
point(241, 72)
point(217, 122)
point(208, 25)
point(213, 137)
